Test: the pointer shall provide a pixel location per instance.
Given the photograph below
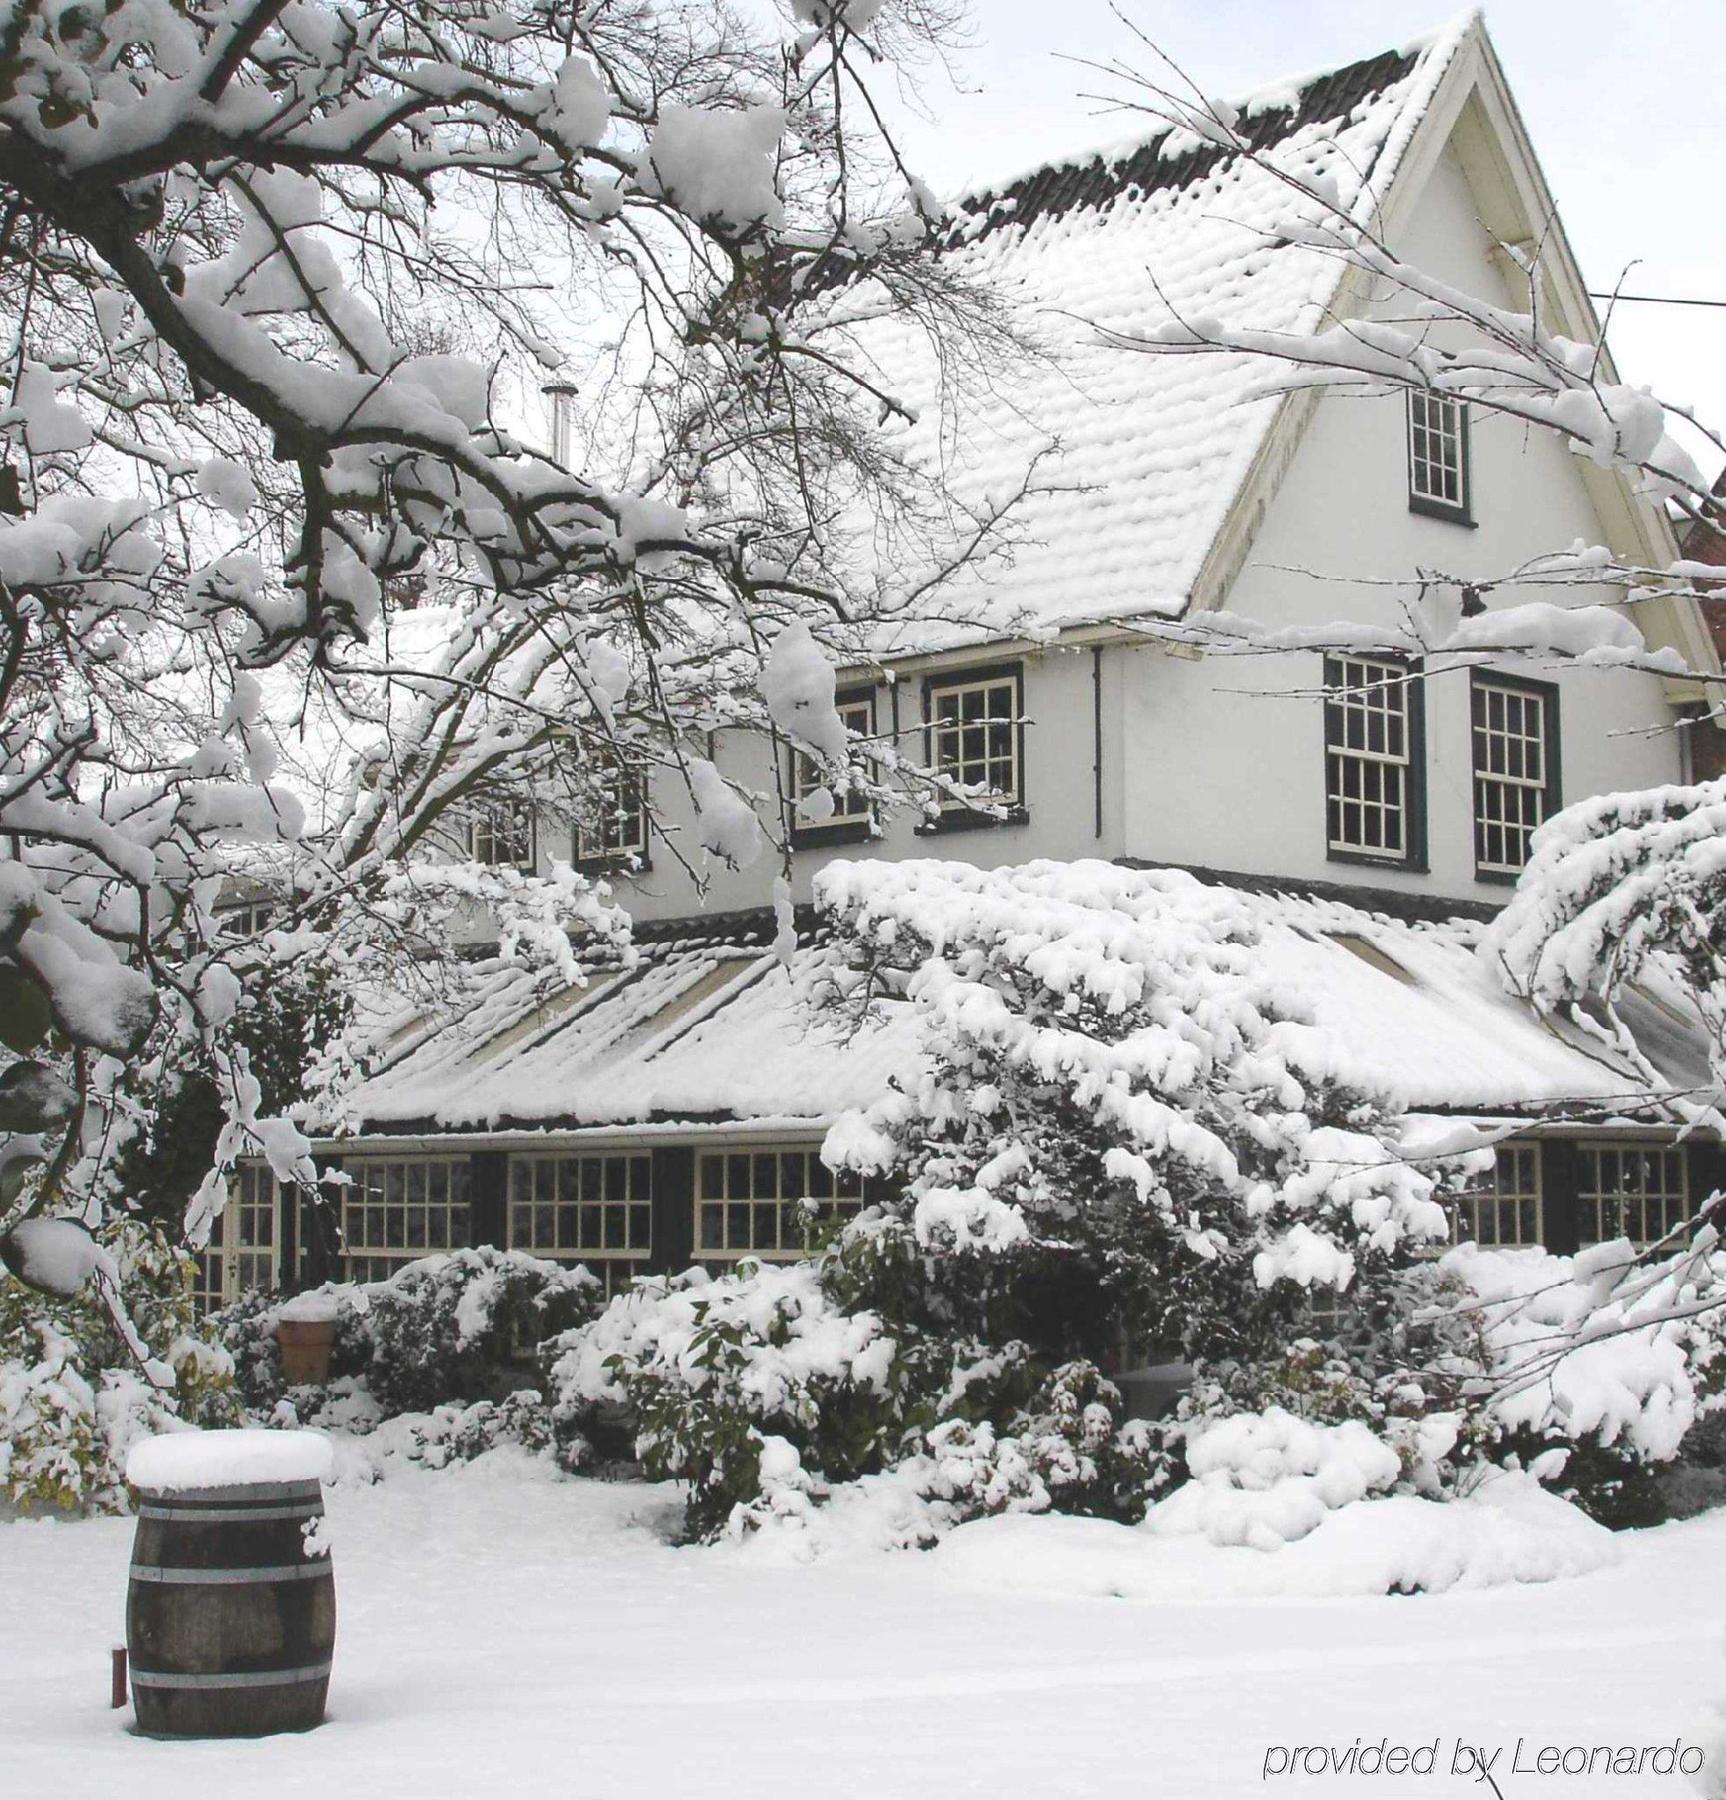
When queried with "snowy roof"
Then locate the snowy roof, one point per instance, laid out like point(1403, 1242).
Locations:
point(708, 1027)
point(1148, 452)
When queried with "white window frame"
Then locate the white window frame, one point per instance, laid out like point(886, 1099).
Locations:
point(1506, 1209)
point(850, 808)
point(238, 1259)
point(736, 1207)
point(503, 834)
point(1510, 803)
point(1361, 692)
point(1000, 688)
point(1632, 1204)
point(1438, 454)
point(618, 830)
point(368, 1201)
point(563, 1205)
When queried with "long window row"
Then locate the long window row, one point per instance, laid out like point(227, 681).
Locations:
point(595, 1207)
point(1375, 775)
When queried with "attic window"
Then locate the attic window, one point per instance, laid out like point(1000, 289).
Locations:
point(1371, 954)
point(1438, 456)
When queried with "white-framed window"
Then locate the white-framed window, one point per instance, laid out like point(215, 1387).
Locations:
point(501, 834)
point(1515, 733)
point(240, 1257)
point(1504, 1208)
point(1635, 1191)
point(1372, 772)
point(850, 806)
point(1437, 454)
point(591, 1207)
point(976, 734)
point(245, 918)
point(618, 829)
point(766, 1202)
point(398, 1208)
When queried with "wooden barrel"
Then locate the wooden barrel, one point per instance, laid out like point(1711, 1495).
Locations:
point(231, 1613)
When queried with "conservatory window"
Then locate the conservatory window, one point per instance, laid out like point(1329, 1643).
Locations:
point(594, 1208)
point(618, 830)
point(1504, 1207)
point(502, 835)
point(1515, 768)
point(399, 1208)
point(976, 736)
point(766, 1203)
point(850, 808)
point(1372, 728)
point(1635, 1191)
point(1437, 454)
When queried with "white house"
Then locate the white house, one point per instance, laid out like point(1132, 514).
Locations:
point(668, 1111)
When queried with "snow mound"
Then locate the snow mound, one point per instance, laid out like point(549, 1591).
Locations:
point(1508, 1530)
point(184, 1460)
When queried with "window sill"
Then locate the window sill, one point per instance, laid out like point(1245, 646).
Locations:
point(968, 818)
point(1498, 877)
point(1436, 509)
point(621, 862)
point(1364, 859)
point(836, 831)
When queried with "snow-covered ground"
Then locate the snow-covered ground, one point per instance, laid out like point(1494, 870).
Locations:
point(504, 1633)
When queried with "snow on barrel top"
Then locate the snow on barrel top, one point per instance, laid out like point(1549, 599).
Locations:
point(183, 1460)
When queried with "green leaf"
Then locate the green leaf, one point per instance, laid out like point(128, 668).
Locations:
point(34, 1098)
point(24, 1014)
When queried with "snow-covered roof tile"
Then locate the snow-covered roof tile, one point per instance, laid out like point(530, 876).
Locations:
point(1146, 453)
point(713, 1028)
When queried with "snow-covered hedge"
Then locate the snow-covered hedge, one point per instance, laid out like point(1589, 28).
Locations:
point(72, 1398)
point(766, 1387)
point(446, 1329)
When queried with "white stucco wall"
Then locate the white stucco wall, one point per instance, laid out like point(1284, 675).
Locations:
point(1226, 768)
point(1219, 762)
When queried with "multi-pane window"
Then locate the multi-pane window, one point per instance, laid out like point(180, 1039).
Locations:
point(501, 835)
point(618, 828)
point(240, 1257)
point(766, 1203)
point(397, 1208)
point(850, 807)
point(975, 735)
point(245, 918)
point(1515, 769)
point(1437, 454)
point(1503, 1208)
point(1635, 1191)
point(1371, 723)
point(587, 1207)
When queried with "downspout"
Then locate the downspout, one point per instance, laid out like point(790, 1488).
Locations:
point(1097, 735)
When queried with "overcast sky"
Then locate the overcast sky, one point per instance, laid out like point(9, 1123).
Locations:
point(1625, 101)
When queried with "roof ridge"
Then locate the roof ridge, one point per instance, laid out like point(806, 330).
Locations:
point(1271, 112)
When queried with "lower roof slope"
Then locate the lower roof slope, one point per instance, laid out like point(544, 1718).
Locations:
point(707, 1027)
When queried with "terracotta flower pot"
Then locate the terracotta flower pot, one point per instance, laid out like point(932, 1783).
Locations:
point(305, 1346)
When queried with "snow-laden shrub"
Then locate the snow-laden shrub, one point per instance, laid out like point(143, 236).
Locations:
point(448, 1327)
point(455, 1433)
point(768, 1387)
point(442, 1330)
point(1264, 1479)
point(72, 1398)
point(1598, 1365)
